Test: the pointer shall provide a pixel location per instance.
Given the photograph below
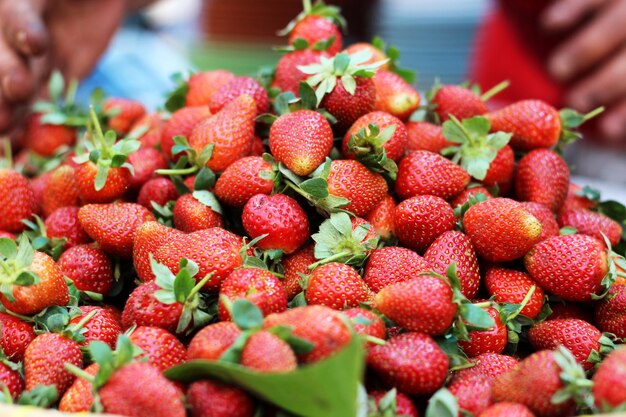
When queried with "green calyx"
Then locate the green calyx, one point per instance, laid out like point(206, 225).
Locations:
point(511, 317)
point(56, 319)
point(329, 12)
point(393, 53)
point(340, 68)
point(105, 151)
point(576, 385)
point(616, 267)
point(191, 161)
point(476, 148)
point(336, 241)
point(572, 120)
point(61, 110)
point(182, 288)
point(607, 345)
point(386, 407)
point(40, 240)
point(287, 102)
point(42, 396)
point(368, 147)
point(15, 260)
point(443, 404)
point(176, 99)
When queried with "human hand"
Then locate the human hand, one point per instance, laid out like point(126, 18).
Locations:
point(594, 56)
point(38, 35)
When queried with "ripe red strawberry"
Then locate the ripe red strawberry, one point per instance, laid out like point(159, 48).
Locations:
point(465, 195)
point(152, 123)
point(157, 190)
point(501, 229)
point(549, 226)
point(63, 223)
point(419, 220)
point(411, 362)
point(394, 95)
point(610, 312)
point(295, 264)
point(230, 131)
point(492, 340)
point(215, 250)
point(510, 286)
point(191, 215)
point(422, 304)
point(236, 87)
point(323, 327)
point(458, 101)
point(117, 183)
point(266, 352)
point(11, 379)
point(608, 381)
point(533, 123)
point(149, 237)
point(258, 147)
point(38, 185)
point(144, 309)
point(376, 53)
point(45, 358)
point(394, 147)
point(392, 264)
point(88, 267)
point(575, 200)
point(568, 310)
point(181, 123)
point(122, 113)
point(145, 161)
point(571, 267)
point(17, 201)
point(15, 337)
point(592, 223)
point(301, 140)
point(543, 177)
point(159, 347)
point(79, 396)
point(425, 136)
point(243, 179)
point(366, 323)
point(337, 286)
point(258, 286)
point(500, 170)
point(491, 364)
point(213, 340)
point(427, 173)
point(507, 409)
point(202, 85)
point(132, 389)
point(278, 216)
point(473, 393)
point(321, 23)
point(45, 139)
point(103, 326)
point(60, 190)
point(453, 246)
point(403, 404)
point(215, 399)
point(114, 226)
point(287, 76)
point(7, 235)
point(352, 180)
point(381, 217)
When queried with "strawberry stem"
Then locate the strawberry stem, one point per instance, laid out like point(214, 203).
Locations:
point(200, 284)
point(99, 133)
point(487, 95)
point(483, 304)
point(8, 155)
point(79, 372)
point(329, 259)
point(375, 340)
point(306, 4)
point(593, 113)
point(76, 327)
point(183, 171)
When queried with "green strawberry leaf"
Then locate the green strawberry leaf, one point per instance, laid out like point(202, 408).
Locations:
point(442, 404)
point(42, 396)
point(8, 247)
point(317, 187)
point(246, 314)
point(183, 285)
point(208, 199)
point(233, 353)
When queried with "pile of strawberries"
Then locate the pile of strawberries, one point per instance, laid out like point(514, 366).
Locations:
point(312, 242)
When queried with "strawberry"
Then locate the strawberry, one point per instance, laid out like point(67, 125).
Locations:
point(267, 353)
point(32, 280)
point(15, 337)
point(394, 95)
point(89, 268)
point(491, 364)
point(294, 265)
point(17, 201)
point(287, 76)
point(426, 173)
point(181, 123)
point(102, 326)
point(543, 177)
point(353, 181)
point(144, 162)
point(377, 54)
point(11, 379)
point(321, 326)
point(63, 223)
point(506, 409)
point(425, 136)
point(501, 169)
point(149, 237)
point(45, 138)
point(114, 226)
point(393, 264)
point(592, 223)
point(501, 229)
point(571, 267)
point(215, 399)
point(236, 87)
point(576, 200)
point(366, 323)
point(549, 226)
point(419, 220)
point(259, 286)
point(610, 312)
point(400, 404)
point(510, 286)
point(278, 216)
point(301, 140)
point(492, 340)
point(381, 217)
point(422, 304)
point(117, 183)
point(191, 215)
point(317, 24)
point(473, 393)
point(38, 186)
point(230, 131)
point(213, 340)
point(157, 190)
point(152, 127)
point(337, 286)
point(78, 397)
point(468, 193)
point(582, 339)
point(411, 362)
point(360, 140)
point(243, 179)
point(7, 235)
point(122, 113)
point(608, 382)
point(215, 250)
point(453, 246)
point(60, 190)
point(568, 310)
point(460, 102)
point(45, 358)
point(159, 347)
point(203, 85)
point(258, 147)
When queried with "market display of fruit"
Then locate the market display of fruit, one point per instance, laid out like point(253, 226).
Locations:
point(316, 242)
